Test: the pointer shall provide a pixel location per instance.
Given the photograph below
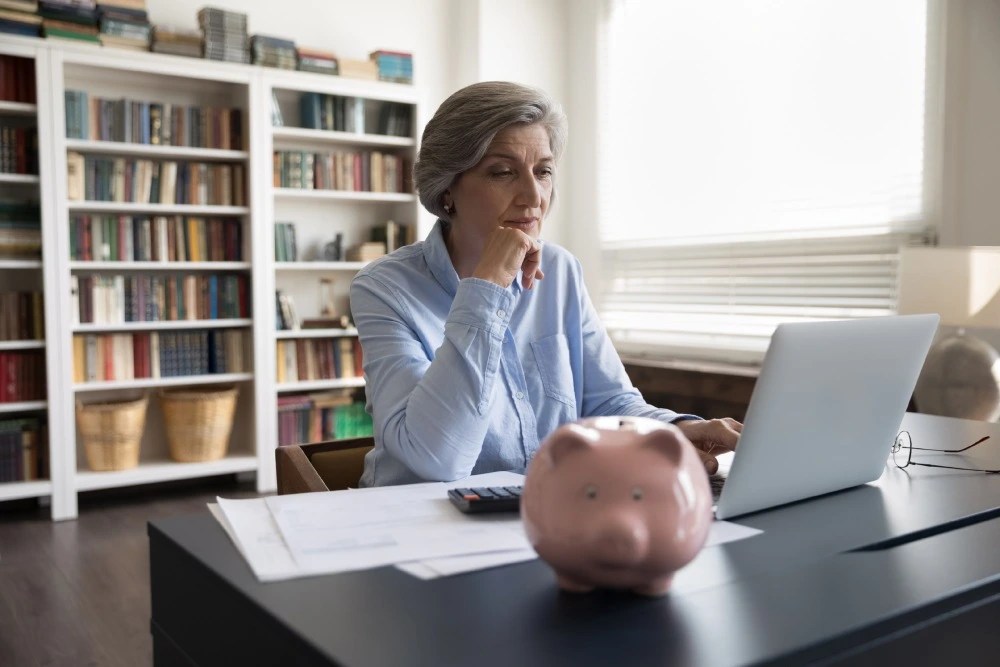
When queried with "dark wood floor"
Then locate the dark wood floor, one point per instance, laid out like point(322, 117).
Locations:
point(77, 592)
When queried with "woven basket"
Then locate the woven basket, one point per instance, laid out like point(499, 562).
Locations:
point(198, 423)
point(111, 433)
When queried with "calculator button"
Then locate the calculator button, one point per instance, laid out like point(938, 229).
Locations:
point(483, 492)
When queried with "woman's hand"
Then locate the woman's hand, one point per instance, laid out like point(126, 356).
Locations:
point(508, 251)
point(711, 437)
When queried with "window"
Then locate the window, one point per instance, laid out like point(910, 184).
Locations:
point(760, 162)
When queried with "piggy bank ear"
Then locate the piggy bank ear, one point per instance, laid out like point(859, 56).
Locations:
point(567, 440)
point(668, 442)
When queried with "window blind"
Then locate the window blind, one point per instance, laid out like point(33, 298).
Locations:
point(760, 162)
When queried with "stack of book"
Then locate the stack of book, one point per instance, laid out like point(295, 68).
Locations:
point(395, 66)
point(273, 52)
point(225, 35)
point(366, 252)
point(20, 230)
point(393, 234)
point(358, 69)
point(20, 17)
point(124, 23)
point(70, 19)
point(177, 41)
point(314, 60)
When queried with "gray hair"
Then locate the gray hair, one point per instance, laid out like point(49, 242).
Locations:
point(462, 129)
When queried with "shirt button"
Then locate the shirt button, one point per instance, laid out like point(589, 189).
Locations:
point(519, 395)
point(501, 312)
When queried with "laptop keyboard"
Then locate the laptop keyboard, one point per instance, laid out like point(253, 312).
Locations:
point(716, 482)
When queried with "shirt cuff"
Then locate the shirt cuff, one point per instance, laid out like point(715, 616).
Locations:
point(482, 304)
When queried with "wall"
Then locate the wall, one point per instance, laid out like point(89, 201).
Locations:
point(971, 198)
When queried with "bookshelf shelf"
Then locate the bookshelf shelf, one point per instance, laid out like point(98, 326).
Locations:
point(163, 325)
point(19, 179)
point(145, 383)
point(158, 266)
point(17, 109)
point(8, 345)
point(154, 150)
point(319, 266)
point(35, 488)
point(344, 195)
point(163, 471)
point(318, 385)
point(158, 209)
point(314, 333)
point(23, 406)
point(301, 134)
point(20, 263)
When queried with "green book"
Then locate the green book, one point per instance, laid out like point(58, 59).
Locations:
point(69, 34)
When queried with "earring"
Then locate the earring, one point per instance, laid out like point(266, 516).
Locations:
point(449, 209)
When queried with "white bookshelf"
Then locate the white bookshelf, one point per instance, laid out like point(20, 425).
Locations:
point(111, 73)
point(32, 275)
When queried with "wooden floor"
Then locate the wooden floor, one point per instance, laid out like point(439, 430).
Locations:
point(77, 592)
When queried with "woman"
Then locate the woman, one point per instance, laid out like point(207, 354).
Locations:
point(481, 340)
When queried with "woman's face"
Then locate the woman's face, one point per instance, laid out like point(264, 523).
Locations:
point(510, 187)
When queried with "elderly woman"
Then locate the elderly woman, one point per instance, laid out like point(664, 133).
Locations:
point(481, 340)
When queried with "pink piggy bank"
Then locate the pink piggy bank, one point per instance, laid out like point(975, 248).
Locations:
point(617, 502)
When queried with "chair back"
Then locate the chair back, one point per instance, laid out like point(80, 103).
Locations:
point(321, 466)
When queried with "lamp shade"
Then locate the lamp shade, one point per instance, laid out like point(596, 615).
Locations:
point(961, 284)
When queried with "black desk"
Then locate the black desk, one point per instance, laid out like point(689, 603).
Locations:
point(905, 568)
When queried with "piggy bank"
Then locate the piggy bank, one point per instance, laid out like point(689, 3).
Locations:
point(616, 502)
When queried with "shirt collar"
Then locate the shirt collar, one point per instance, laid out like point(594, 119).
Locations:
point(439, 261)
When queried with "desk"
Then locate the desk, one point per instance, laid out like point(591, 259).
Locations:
point(811, 587)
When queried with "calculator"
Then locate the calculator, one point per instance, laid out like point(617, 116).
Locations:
point(483, 499)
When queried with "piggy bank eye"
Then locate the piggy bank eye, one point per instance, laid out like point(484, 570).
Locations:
point(637, 493)
point(591, 491)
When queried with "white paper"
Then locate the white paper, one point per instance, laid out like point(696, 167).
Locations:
point(252, 529)
point(338, 531)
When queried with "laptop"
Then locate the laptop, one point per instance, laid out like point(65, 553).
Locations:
point(825, 410)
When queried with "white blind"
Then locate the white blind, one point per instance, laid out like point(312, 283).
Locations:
point(760, 162)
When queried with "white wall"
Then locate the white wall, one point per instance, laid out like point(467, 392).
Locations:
point(971, 196)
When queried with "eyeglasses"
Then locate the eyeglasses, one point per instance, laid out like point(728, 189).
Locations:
point(903, 460)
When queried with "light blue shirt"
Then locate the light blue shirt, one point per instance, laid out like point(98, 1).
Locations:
point(466, 377)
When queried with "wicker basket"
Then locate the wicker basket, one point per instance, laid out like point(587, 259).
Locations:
point(111, 433)
point(198, 422)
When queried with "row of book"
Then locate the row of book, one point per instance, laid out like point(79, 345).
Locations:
point(153, 123)
point(154, 182)
point(22, 316)
point(319, 111)
point(108, 357)
point(273, 52)
point(17, 79)
point(121, 23)
point(18, 150)
point(318, 359)
point(22, 376)
point(306, 418)
point(161, 238)
point(285, 247)
point(23, 443)
point(20, 230)
point(119, 299)
point(357, 171)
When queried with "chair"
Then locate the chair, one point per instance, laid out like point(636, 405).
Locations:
point(321, 466)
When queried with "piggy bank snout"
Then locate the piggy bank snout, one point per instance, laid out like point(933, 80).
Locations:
point(622, 540)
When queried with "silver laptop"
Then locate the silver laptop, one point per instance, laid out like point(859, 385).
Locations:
point(825, 410)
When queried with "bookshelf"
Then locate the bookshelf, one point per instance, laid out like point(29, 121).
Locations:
point(71, 209)
point(328, 127)
point(27, 320)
